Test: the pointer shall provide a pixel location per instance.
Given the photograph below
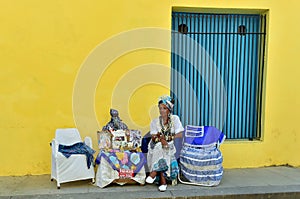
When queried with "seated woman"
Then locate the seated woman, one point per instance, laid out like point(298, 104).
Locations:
point(161, 150)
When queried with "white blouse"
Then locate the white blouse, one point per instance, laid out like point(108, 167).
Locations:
point(177, 127)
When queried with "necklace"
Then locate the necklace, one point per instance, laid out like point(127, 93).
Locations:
point(166, 129)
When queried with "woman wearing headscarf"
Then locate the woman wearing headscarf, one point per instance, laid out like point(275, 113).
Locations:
point(161, 150)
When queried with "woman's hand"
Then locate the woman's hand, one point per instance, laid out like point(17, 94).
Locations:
point(163, 141)
point(156, 137)
point(153, 138)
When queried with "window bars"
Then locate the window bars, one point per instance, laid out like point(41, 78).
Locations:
point(218, 70)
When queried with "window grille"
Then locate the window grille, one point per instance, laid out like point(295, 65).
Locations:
point(218, 70)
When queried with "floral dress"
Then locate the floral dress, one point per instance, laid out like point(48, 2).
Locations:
point(159, 158)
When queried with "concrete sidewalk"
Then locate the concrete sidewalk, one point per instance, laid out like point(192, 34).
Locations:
point(268, 182)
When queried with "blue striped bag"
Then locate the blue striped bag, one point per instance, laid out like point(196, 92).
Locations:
point(200, 157)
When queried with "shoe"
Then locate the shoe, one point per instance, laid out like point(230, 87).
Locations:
point(162, 187)
point(150, 180)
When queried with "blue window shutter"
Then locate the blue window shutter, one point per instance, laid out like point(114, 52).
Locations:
point(217, 71)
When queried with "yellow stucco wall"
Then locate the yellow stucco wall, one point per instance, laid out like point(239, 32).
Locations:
point(44, 45)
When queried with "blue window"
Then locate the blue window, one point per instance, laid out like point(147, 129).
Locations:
point(218, 70)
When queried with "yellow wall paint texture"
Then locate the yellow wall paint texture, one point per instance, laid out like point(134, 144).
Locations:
point(45, 44)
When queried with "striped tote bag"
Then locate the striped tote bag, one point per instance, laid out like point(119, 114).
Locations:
point(200, 156)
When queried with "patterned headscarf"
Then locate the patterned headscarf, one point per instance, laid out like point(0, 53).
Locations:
point(166, 100)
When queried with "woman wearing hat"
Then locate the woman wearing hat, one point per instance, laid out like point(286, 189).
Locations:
point(161, 150)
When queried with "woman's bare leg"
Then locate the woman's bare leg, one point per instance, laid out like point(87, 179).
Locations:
point(162, 178)
point(153, 174)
